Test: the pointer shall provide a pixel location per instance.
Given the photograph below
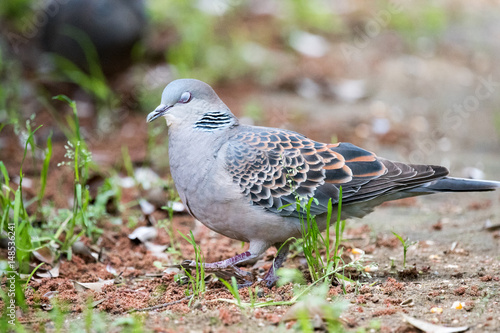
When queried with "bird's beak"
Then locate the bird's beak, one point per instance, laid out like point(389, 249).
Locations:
point(158, 112)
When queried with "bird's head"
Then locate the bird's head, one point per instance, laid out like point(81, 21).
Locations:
point(187, 101)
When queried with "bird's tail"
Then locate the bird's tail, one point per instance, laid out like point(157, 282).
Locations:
point(451, 184)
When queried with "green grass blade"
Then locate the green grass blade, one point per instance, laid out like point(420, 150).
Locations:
point(5, 174)
point(338, 230)
point(45, 168)
point(399, 237)
point(31, 275)
point(233, 289)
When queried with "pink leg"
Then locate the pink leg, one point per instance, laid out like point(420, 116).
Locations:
point(242, 257)
point(256, 249)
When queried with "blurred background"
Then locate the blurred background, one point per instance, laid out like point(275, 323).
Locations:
point(413, 81)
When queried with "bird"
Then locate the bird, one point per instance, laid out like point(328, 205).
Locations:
point(244, 182)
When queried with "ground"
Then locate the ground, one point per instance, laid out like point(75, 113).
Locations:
point(455, 258)
point(406, 95)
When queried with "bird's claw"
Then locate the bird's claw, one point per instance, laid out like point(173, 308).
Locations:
point(243, 278)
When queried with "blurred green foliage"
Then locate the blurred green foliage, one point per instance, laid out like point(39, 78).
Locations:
point(10, 92)
point(426, 20)
point(205, 48)
point(16, 12)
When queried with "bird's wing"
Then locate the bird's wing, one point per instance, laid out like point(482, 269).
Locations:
point(276, 167)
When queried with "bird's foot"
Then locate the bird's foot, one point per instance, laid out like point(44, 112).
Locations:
point(223, 271)
point(271, 278)
point(244, 284)
point(243, 278)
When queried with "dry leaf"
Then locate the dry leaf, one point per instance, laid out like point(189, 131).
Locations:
point(431, 328)
point(177, 206)
point(95, 286)
point(80, 248)
point(155, 248)
point(488, 225)
point(50, 294)
point(44, 254)
point(111, 270)
point(170, 270)
point(143, 234)
point(96, 303)
point(52, 273)
point(146, 207)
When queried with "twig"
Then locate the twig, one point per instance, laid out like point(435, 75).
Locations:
point(156, 307)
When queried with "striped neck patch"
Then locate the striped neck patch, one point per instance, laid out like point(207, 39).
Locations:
point(212, 121)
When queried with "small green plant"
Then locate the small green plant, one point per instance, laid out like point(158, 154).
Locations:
point(429, 20)
point(406, 244)
point(45, 170)
point(309, 15)
point(314, 242)
point(92, 80)
point(314, 303)
point(17, 225)
point(303, 321)
point(233, 289)
point(79, 159)
point(196, 279)
point(168, 224)
point(127, 162)
point(306, 296)
point(339, 231)
point(253, 295)
point(131, 324)
point(58, 313)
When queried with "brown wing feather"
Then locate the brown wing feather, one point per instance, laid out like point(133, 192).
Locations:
point(275, 167)
point(399, 177)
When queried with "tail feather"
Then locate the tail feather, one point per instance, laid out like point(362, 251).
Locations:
point(451, 184)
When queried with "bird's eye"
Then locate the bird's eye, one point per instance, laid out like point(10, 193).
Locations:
point(185, 97)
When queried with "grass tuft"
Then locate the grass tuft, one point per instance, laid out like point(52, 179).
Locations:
point(406, 244)
point(314, 243)
point(196, 279)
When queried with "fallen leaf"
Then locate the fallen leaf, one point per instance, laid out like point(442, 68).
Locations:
point(143, 234)
point(45, 254)
point(177, 206)
point(80, 248)
point(146, 177)
point(95, 286)
point(488, 225)
point(146, 207)
point(155, 248)
point(111, 270)
point(50, 294)
point(431, 328)
point(407, 302)
point(170, 270)
point(52, 273)
point(96, 303)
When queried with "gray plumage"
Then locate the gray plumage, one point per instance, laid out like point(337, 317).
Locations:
point(244, 181)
